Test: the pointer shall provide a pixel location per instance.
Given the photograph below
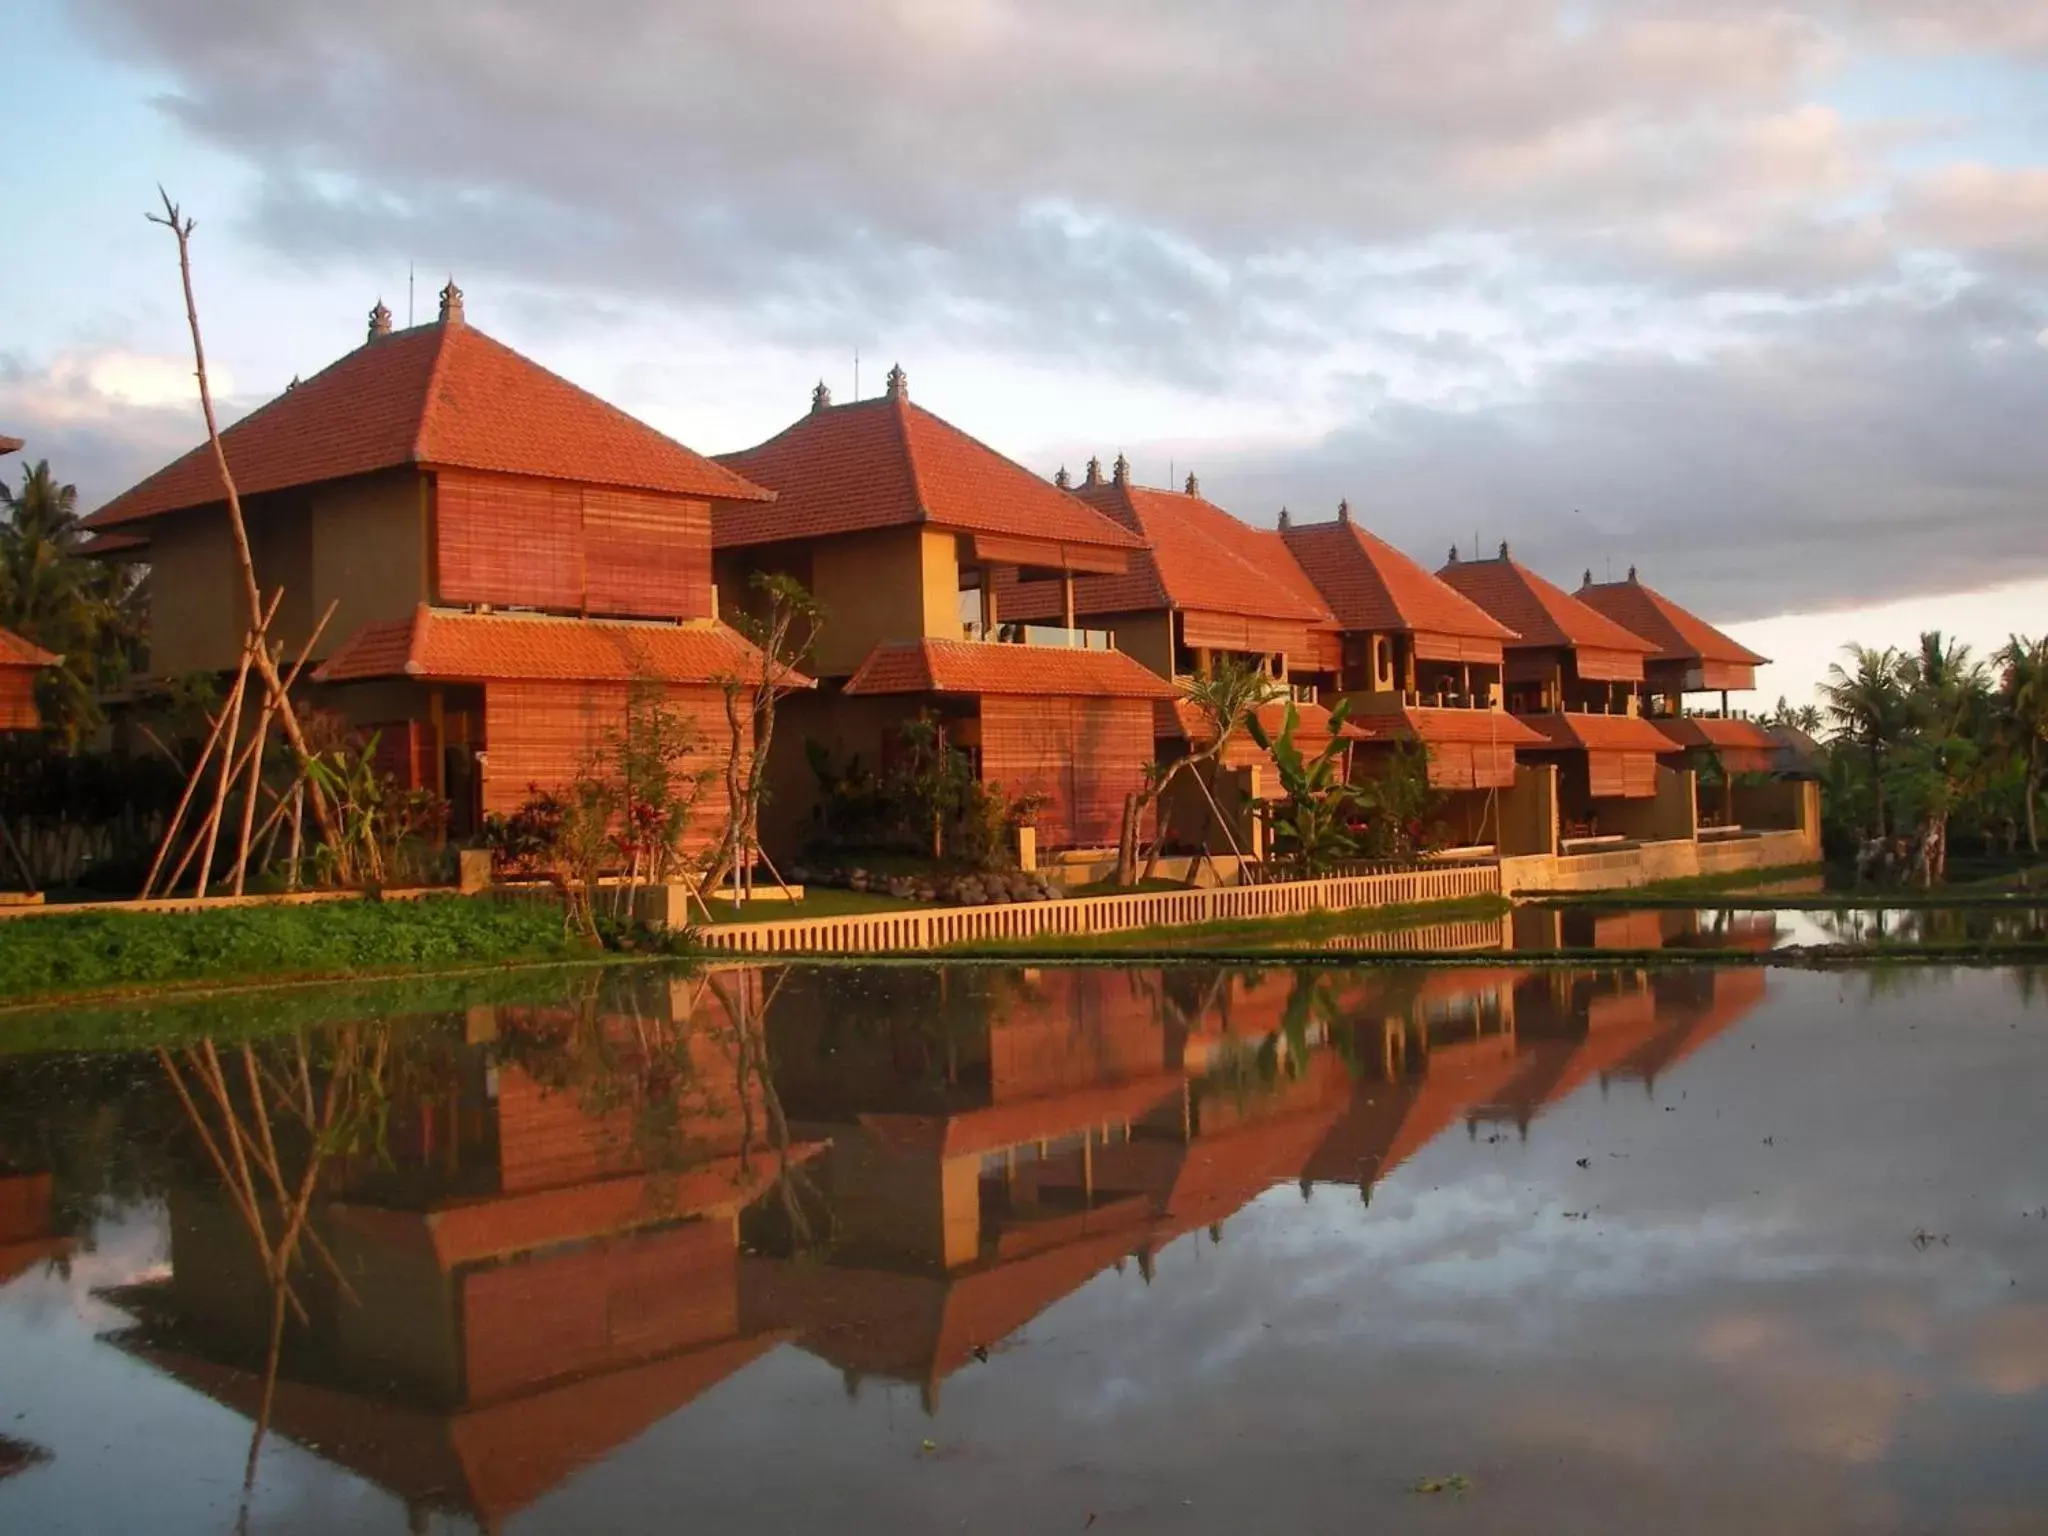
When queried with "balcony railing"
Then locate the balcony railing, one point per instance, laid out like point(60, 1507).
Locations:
point(1042, 634)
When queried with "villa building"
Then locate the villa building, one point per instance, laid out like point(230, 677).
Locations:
point(20, 663)
point(1574, 676)
point(898, 524)
point(1419, 662)
point(1692, 657)
point(505, 557)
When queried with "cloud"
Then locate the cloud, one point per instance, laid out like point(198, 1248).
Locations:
point(1994, 212)
point(105, 418)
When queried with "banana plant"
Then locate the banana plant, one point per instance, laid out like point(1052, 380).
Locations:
point(1312, 826)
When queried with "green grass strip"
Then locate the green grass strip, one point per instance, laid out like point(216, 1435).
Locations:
point(1240, 934)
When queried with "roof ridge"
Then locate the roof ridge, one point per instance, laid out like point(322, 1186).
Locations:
point(431, 392)
point(901, 408)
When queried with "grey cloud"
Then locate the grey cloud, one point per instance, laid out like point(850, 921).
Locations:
point(1870, 451)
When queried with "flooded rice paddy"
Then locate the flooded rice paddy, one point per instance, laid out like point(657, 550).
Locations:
point(1496, 1247)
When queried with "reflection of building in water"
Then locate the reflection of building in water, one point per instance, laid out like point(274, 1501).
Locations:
point(28, 1230)
point(1541, 928)
point(537, 1275)
point(998, 1139)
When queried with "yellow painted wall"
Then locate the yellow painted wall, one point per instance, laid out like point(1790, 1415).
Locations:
point(1670, 814)
point(891, 584)
point(369, 551)
point(196, 620)
point(1146, 636)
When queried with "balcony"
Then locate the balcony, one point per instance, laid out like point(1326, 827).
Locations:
point(1041, 634)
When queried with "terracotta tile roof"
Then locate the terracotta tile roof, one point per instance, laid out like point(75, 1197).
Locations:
point(441, 394)
point(1677, 634)
point(1598, 733)
point(1544, 615)
point(1717, 733)
point(9, 444)
point(1201, 558)
point(1443, 727)
point(1369, 584)
point(17, 652)
point(886, 463)
point(1181, 719)
point(472, 647)
point(968, 666)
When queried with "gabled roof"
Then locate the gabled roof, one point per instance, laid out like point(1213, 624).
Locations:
point(436, 643)
point(978, 667)
point(9, 444)
point(17, 652)
point(443, 394)
point(1183, 719)
point(1447, 727)
point(1201, 558)
point(1371, 585)
point(885, 463)
point(1743, 746)
point(1544, 615)
point(1598, 733)
point(1677, 634)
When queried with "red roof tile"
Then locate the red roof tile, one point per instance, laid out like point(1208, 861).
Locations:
point(1371, 585)
point(1677, 634)
point(1442, 727)
point(1182, 719)
point(441, 394)
point(1598, 733)
point(885, 463)
point(1544, 615)
point(968, 666)
point(9, 444)
point(1717, 733)
point(471, 647)
point(1201, 559)
point(17, 652)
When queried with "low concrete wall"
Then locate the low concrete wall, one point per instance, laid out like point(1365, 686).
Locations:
point(1645, 863)
point(1671, 815)
point(898, 932)
point(1528, 812)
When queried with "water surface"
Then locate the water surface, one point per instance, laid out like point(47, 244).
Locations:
point(995, 1249)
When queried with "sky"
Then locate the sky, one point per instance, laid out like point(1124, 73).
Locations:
point(1753, 297)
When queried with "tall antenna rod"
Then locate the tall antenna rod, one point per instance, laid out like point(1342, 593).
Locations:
point(408, 295)
point(856, 373)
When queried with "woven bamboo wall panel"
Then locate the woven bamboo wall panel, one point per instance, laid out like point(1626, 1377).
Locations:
point(544, 733)
point(1600, 666)
point(1451, 765)
point(517, 542)
point(1493, 767)
point(1233, 632)
point(404, 752)
point(1621, 775)
point(1456, 648)
point(18, 700)
point(646, 556)
point(1325, 653)
point(1084, 755)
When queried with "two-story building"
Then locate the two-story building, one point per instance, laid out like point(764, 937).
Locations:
point(20, 660)
point(506, 557)
point(1420, 662)
point(1573, 676)
point(898, 523)
point(1692, 657)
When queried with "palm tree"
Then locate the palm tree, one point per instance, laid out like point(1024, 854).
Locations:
point(1226, 696)
point(2022, 717)
point(1866, 705)
point(83, 609)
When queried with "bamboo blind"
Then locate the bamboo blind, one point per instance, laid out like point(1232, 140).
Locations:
point(18, 700)
point(1084, 755)
point(509, 541)
point(1621, 775)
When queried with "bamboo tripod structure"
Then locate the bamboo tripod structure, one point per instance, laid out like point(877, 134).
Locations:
point(257, 656)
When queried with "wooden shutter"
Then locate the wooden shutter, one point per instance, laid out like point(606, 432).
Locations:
point(646, 556)
point(1639, 775)
point(1596, 665)
point(18, 700)
point(1084, 755)
point(1493, 767)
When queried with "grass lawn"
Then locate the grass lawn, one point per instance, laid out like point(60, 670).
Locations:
point(60, 954)
point(819, 901)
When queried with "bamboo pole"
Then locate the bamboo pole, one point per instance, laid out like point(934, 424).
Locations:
point(181, 228)
point(227, 764)
point(256, 746)
point(184, 803)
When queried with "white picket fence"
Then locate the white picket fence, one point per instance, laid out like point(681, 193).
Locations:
point(911, 932)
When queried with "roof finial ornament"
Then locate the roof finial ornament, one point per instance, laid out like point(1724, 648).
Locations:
point(380, 321)
point(1062, 479)
point(1286, 519)
point(451, 303)
point(1344, 510)
point(899, 383)
point(1194, 485)
point(1587, 579)
point(1454, 554)
point(821, 397)
point(1631, 573)
point(1120, 471)
point(1503, 549)
point(1094, 475)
